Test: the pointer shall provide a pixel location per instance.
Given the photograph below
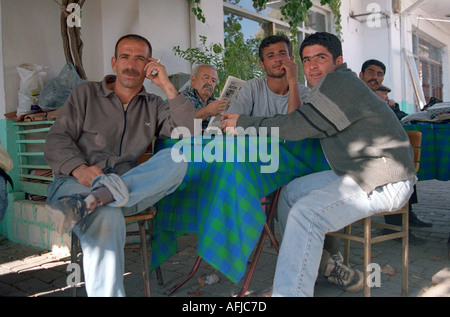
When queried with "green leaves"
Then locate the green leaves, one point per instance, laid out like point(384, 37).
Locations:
point(196, 10)
point(296, 12)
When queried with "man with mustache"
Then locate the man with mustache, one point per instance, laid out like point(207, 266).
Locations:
point(279, 92)
point(372, 73)
point(93, 148)
point(201, 92)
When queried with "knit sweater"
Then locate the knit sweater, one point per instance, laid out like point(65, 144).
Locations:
point(360, 136)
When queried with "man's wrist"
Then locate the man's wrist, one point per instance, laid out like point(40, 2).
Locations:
point(77, 169)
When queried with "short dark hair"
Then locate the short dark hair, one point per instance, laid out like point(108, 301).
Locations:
point(373, 62)
point(136, 38)
point(330, 41)
point(273, 39)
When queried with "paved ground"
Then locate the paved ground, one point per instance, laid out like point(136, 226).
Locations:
point(28, 272)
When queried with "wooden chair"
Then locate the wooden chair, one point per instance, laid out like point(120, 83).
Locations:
point(145, 236)
point(399, 231)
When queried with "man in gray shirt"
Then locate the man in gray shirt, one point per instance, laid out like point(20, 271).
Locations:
point(270, 96)
point(280, 91)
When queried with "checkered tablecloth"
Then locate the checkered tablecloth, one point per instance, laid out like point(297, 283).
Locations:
point(220, 201)
point(435, 154)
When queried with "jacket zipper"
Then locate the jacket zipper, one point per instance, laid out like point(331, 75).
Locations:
point(124, 125)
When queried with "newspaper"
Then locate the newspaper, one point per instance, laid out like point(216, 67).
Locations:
point(230, 91)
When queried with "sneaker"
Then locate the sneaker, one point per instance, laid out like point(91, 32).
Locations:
point(67, 211)
point(338, 257)
point(343, 276)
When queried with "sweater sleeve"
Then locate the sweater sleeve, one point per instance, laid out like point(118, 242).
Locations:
point(178, 112)
point(327, 111)
point(293, 127)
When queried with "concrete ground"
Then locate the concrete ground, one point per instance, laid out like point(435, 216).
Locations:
point(29, 272)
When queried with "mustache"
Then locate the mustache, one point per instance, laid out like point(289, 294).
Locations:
point(374, 80)
point(210, 87)
point(130, 71)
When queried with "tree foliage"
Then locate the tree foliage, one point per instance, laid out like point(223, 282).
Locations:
point(297, 11)
point(239, 56)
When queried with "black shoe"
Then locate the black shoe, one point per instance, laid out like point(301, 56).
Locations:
point(67, 211)
point(414, 221)
point(415, 239)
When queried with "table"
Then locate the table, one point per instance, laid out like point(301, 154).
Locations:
point(220, 200)
point(435, 154)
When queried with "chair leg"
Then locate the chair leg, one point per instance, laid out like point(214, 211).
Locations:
point(159, 276)
point(150, 234)
point(144, 255)
point(73, 258)
point(254, 263)
point(405, 253)
point(348, 231)
point(448, 246)
point(367, 254)
point(267, 231)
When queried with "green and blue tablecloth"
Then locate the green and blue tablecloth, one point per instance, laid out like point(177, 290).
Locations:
point(435, 150)
point(220, 201)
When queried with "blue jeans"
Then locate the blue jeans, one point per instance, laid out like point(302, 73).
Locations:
point(313, 205)
point(103, 239)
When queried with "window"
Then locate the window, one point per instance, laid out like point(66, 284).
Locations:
point(428, 58)
point(257, 25)
point(270, 19)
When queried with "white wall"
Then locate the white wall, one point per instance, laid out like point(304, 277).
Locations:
point(364, 38)
point(386, 41)
point(31, 34)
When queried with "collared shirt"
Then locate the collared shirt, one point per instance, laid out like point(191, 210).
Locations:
point(193, 96)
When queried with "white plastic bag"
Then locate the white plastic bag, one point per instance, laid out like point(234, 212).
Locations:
point(33, 78)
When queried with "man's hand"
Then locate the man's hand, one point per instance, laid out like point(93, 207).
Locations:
point(228, 124)
point(158, 75)
point(216, 107)
point(292, 78)
point(85, 175)
point(212, 109)
point(291, 70)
